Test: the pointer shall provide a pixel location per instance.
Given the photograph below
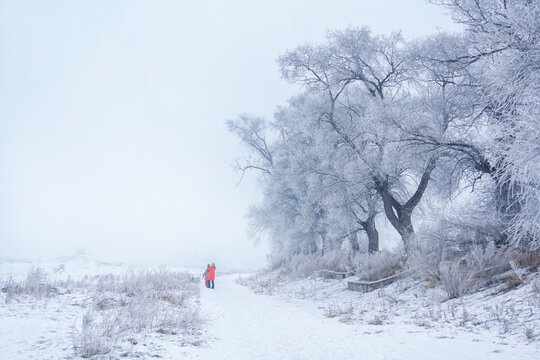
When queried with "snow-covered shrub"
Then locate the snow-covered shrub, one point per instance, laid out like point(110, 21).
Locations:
point(11, 289)
point(456, 278)
point(298, 266)
point(154, 281)
point(487, 261)
point(36, 284)
point(464, 231)
point(425, 258)
point(377, 319)
point(373, 266)
point(339, 260)
point(464, 265)
point(491, 264)
point(303, 266)
point(336, 310)
point(260, 283)
point(152, 300)
point(157, 300)
point(96, 336)
point(376, 266)
point(367, 266)
point(529, 332)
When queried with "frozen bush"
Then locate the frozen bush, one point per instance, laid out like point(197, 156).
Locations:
point(367, 266)
point(463, 269)
point(11, 290)
point(456, 278)
point(35, 284)
point(260, 283)
point(489, 260)
point(458, 271)
point(96, 336)
point(335, 310)
point(377, 319)
point(529, 332)
point(303, 266)
point(337, 260)
point(377, 266)
point(152, 300)
point(425, 257)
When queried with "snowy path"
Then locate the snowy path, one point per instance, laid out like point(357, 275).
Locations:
point(244, 325)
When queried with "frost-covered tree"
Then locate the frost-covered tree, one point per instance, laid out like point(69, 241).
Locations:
point(504, 50)
point(315, 197)
point(293, 211)
point(252, 131)
point(379, 119)
point(364, 80)
point(333, 172)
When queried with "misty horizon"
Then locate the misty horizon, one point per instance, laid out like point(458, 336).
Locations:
point(112, 120)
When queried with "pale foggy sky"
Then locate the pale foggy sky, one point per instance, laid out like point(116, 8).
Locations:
point(112, 119)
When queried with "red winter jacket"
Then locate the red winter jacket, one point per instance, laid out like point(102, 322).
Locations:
point(212, 274)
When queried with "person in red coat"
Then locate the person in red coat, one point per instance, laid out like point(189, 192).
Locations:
point(212, 275)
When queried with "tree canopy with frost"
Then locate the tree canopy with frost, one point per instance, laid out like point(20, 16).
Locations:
point(380, 123)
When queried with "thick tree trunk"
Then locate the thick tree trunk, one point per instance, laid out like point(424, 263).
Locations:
point(399, 214)
point(368, 226)
point(406, 232)
point(372, 234)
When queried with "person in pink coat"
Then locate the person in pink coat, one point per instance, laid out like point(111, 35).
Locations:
point(212, 275)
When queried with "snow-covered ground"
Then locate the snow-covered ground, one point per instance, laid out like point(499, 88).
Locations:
point(308, 319)
point(416, 320)
point(246, 325)
point(109, 310)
